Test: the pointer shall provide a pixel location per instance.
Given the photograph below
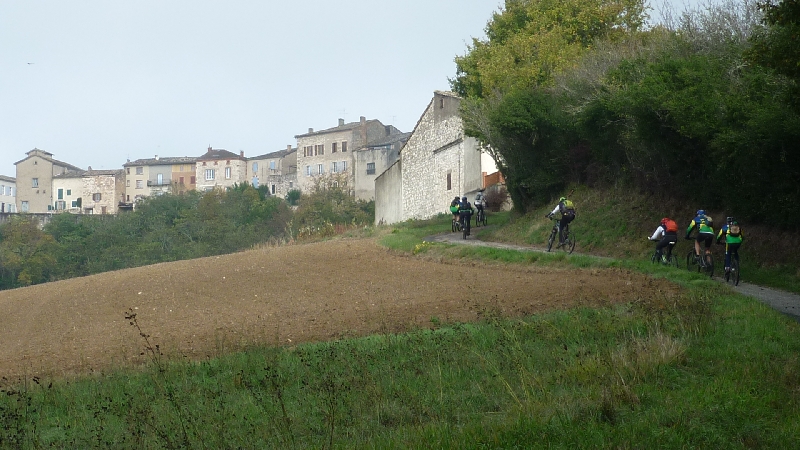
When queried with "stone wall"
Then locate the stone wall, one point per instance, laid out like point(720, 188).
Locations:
point(388, 195)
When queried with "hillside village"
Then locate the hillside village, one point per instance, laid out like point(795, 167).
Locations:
point(408, 174)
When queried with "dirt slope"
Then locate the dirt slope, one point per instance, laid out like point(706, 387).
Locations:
point(205, 307)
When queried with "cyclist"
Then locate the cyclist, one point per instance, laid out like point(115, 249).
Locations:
point(454, 206)
point(567, 210)
point(733, 240)
point(480, 201)
point(667, 236)
point(465, 211)
point(705, 233)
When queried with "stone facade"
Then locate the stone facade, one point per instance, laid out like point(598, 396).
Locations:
point(372, 160)
point(220, 169)
point(331, 151)
point(89, 192)
point(158, 175)
point(437, 164)
point(276, 170)
point(35, 180)
point(8, 194)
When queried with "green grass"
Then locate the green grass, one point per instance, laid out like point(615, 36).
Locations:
point(705, 369)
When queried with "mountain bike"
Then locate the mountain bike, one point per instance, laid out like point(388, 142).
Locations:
point(465, 226)
point(694, 260)
point(480, 217)
point(671, 261)
point(733, 275)
point(569, 240)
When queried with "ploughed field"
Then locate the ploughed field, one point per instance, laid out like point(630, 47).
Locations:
point(286, 295)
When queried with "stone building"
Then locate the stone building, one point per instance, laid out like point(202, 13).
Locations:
point(8, 194)
point(89, 192)
point(35, 180)
point(372, 160)
point(158, 175)
point(219, 168)
point(276, 170)
point(330, 151)
point(436, 164)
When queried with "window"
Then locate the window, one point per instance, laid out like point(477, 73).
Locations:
point(74, 203)
point(273, 189)
point(449, 181)
point(255, 167)
point(227, 173)
point(139, 184)
point(319, 149)
point(272, 165)
point(334, 167)
point(308, 150)
point(209, 174)
point(193, 180)
point(180, 179)
point(97, 197)
point(308, 171)
point(35, 182)
point(333, 147)
point(139, 170)
point(370, 168)
point(69, 191)
point(127, 170)
point(160, 179)
point(24, 206)
point(320, 169)
point(344, 146)
point(61, 194)
point(291, 184)
point(61, 205)
point(127, 183)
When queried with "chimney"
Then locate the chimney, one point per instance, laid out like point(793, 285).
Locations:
point(289, 147)
point(90, 168)
point(363, 120)
point(310, 130)
point(156, 157)
point(341, 122)
point(209, 148)
point(241, 153)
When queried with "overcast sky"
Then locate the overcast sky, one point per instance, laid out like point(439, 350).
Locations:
point(98, 82)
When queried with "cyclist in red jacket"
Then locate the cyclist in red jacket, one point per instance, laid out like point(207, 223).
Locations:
point(667, 236)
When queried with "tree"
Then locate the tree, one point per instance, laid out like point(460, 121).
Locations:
point(27, 254)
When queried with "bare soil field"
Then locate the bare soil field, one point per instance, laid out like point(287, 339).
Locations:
point(207, 307)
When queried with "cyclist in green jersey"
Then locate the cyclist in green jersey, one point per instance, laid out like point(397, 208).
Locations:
point(705, 232)
point(733, 240)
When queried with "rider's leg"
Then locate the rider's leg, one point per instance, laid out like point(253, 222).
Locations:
point(727, 257)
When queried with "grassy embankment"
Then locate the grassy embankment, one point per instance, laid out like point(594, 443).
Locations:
point(710, 369)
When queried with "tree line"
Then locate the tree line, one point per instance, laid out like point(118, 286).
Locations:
point(170, 227)
point(703, 107)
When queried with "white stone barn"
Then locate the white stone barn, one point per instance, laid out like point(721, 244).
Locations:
point(437, 163)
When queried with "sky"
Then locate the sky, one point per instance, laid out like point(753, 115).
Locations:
point(100, 82)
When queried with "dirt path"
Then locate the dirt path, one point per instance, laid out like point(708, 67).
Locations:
point(206, 307)
point(785, 302)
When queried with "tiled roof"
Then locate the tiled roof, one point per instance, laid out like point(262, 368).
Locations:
point(218, 154)
point(54, 161)
point(388, 140)
point(162, 161)
point(9, 179)
point(345, 127)
point(273, 155)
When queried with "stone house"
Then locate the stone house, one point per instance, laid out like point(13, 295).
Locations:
point(35, 180)
point(89, 192)
point(158, 175)
point(220, 168)
point(436, 164)
point(8, 194)
point(330, 151)
point(372, 160)
point(277, 170)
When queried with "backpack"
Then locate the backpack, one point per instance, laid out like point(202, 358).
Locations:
point(734, 230)
point(569, 206)
point(671, 226)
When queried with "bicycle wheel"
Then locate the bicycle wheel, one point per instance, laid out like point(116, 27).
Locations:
point(673, 261)
point(691, 261)
point(454, 227)
point(465, 228)
point(654, 258)
point(569, 243)
point(551, 239)
point(483, 219)
point(734, 273)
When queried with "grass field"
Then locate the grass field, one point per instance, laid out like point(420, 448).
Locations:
point(706, 369)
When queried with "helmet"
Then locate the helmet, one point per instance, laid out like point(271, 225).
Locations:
point(455, 198)
point(463, 199)
point(701, 212)
point(562, 199)
point(730, 219)
point(664, 220)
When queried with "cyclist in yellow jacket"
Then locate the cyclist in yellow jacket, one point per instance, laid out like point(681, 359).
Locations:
point(705, 232)
point(733, 240)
